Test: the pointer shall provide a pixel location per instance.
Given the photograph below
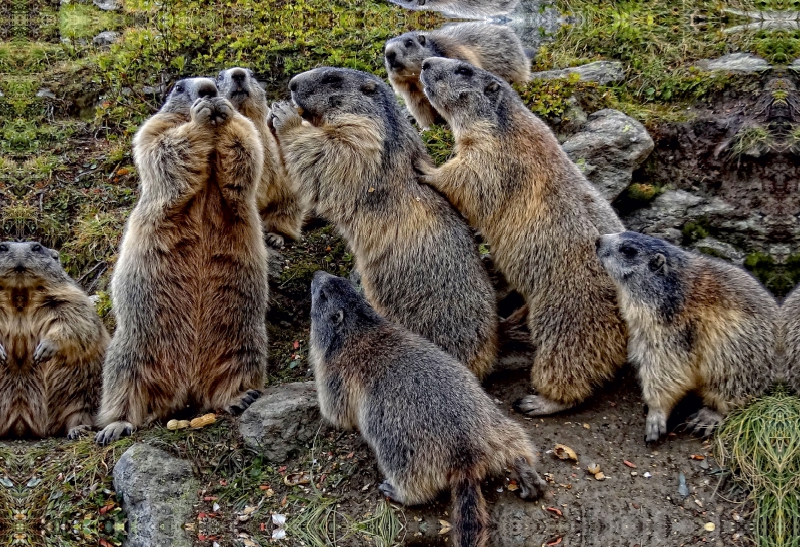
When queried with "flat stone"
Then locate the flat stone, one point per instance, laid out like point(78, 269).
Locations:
point(157, 493)
point(106, 38)
point(735, 62)
point(602, 72)
point(108, 5)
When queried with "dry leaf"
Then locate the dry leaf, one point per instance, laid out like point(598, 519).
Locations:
point(556, 541)
point(629, 464)
point(697, 457)
point(563, 452)
point(555, 510)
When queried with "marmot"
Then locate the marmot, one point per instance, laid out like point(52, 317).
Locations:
point(278, 203)
point(541, 217)
point(696, 324)
point(52, 345)
point(190, 286)
point(494, 48)
point(429, 422)
point(790, 340)
point(462, 8)
point(358, 160)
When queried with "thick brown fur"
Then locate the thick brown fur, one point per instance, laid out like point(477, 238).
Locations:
point(429, 422)
point(52, 345)
point(541, 217)
point(357, 160)
point(697, 324)
point(190, 286)
point(278, 204)
point(495, 48)
point(789, 371)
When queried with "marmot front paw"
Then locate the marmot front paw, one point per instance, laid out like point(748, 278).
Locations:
point(283, 116)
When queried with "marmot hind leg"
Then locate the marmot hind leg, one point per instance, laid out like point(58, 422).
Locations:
point(531, 484)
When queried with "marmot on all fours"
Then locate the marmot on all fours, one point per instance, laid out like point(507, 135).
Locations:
point(52, 345)
point(357, 159)
point(512, 181)
point(278, 204)
point(696, 324)
point(429, 422)
point(495, 48)
point(790, 341)
point(461, 8)
point(190, 286)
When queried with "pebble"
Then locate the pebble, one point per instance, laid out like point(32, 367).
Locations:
point(709, 527)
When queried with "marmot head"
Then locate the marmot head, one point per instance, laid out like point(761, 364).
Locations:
point(464, 94)
point(240, 87)
point(186, 92)
point(647, 268)
point(27, 264)
point(404, 54)
point(337, 312)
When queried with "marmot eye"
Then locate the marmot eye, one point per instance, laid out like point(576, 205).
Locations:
point(409, 43)
point(464, 71)
point(330, 79)
point(628, 252)
point(36, 248)
point(179, 89)
point(3, 248)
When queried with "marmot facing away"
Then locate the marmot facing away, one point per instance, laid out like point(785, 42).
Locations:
point(278, 203)
point(695, 323)
point(494, 48)
point(190, 285)
point(790, 341)
point(358, 160)
point(462, 8)
point(52, 345)
point(541, 217)
point(429, 422)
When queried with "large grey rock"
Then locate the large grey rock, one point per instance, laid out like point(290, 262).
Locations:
point(735, 62)
point(106, 38)
point(157, 493)
point(602, 72)
point(108, 5)
point(608, 149)
point(282, 420)
point(720, 249)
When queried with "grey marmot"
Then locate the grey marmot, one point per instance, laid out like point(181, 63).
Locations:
point(189, 289)
point(462, 8)
point(511, 180)
point(495, 48)
point(696, 324)
point(357, 160)
point(52, 344)
point(429, 422)
point(281, 211)
point(790, 341)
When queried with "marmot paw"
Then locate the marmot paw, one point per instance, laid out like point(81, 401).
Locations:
point(75, 432)
point(201, 111)
point(44, 351)
point(242, 401)
point(655, 426)
point(274, 240)
point(113, 431)
point(538, 405)
point(704, 422)
point(223, 111)
point(283, 116)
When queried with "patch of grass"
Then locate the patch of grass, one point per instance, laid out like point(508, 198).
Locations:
point(440, 143)
point(751, 140)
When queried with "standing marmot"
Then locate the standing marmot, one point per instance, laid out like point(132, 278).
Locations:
point(52, 345)
point(190, 286)
point(429, 422)
point(790, 341)
point(695, 323)
point(358, 160)
point(541, 217)
point(278, 204)
point(492, 47)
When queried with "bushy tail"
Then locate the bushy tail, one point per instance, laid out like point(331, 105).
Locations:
point(470, 518)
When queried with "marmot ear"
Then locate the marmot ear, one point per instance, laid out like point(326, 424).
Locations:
point(55, 255)
point(421, 39)
point(658, 264)
point(369, 87)
point(491, 89)
point(337, 318)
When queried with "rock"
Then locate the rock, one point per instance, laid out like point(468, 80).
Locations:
point(735, 62)
point(720, 249)
point(157, 493)
point(45, 93)
point(608, 149)
point(105, 39)
point(153, 90)
point(282, 420)
point(108, 5)
point(602, 72)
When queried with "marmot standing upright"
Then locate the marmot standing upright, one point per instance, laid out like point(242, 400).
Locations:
point(541, 217)
point(790, 341)
point(495, 48)
point(278, 203)
point(429, 422)
point(358, 161)
point(52, 345)
point(190, 286)
point(696, 324)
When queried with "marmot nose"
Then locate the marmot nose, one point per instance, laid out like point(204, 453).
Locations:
point(391, 56)
point(207, 90)
point(238, 75)
point(426, 65)
point(292, 85)
point(597, 243)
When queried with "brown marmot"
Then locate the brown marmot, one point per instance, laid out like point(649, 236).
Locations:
point(358, 160)
point(278, 203)
point(696, 324)
point(429, 422)
point(790, 341)
point(52, 345)
point(495, 48)
point(541, 217)
point(190, 286)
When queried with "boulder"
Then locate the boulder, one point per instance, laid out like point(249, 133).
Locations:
point(735, 62)
point(108, 5)
point(608, 149)
point(105, 39)
point(157, 492)
point(282, 420)
point(602, 72)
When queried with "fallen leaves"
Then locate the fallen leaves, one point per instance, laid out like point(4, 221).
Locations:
point(563, 452)
point(555, 511)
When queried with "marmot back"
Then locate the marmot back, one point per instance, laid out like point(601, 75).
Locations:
point(429, 422)
point(512, 181)
point(52, 345)
point(462, 8)
point(790, 341)
point(696, 324)
point(495, 48)
point(357, 160)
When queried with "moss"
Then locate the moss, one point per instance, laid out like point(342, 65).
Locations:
point(779, 278)
point(643, 192)
point(694, 231)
